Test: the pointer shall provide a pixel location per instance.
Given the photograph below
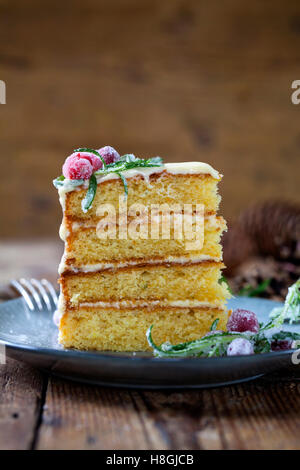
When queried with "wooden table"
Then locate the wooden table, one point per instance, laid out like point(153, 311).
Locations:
point(41, 412)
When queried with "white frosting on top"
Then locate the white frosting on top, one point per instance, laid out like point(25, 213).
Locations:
point(182, 168)
point(191, 168)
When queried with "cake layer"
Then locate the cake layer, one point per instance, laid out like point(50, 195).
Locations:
point(85, 249)
point(170, 285)
point(125, 330)
point(161, 188)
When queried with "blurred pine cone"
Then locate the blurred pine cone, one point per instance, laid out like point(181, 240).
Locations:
point(264, 243)
point(274, 227)
point(268, 229)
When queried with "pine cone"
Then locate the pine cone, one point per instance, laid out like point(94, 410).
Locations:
point(274, 227)
point(237, 247)
point(265, 229)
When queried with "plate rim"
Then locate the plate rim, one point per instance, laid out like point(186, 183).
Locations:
point(102, 355)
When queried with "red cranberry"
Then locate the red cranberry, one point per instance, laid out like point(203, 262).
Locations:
point(109, 154)
point(92, 158)
point(243, 320)
point(76, 168)
point(281, 345)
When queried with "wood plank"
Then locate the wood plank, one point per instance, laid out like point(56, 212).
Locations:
point(20, 401)
point(259, 415)
point(263, 414)
point(85, 417)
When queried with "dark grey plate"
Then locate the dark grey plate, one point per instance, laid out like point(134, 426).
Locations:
point(32, 338)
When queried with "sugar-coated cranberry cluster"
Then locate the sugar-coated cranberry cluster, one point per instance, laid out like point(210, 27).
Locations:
point(241, 321)
point(81, 165)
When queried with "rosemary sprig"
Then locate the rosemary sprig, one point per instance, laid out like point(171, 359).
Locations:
point(214, 324)
point(87, 202)
point(215, 343)
point(291, 308)
point(126, 162)
point(124, 165)
point(124, 181)
point(199, 347)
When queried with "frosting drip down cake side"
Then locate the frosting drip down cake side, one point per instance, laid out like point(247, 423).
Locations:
point(142, 247)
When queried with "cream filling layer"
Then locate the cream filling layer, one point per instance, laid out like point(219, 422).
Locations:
point(90, 268)
point(151, 303)
point(212, 221)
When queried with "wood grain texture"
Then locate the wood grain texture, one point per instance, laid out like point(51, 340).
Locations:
point(259, 415)
point(56, 414)
point(20, 405)
point(85, 417)
point(181, 78)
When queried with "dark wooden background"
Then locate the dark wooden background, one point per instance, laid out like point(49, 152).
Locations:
point(185, 79)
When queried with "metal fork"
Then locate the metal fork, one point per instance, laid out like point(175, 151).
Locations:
point(37, 294)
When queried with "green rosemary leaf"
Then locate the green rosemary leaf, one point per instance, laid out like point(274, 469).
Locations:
point(84, 149)
point(123, 165)
point(127, 162)
point(261, 345)
point(205, 346)
point(291, 309)
point(124, 183)
point(156, 349)
point(282, 335)
point(214, 324)
point(87, 202)
point(250, 291)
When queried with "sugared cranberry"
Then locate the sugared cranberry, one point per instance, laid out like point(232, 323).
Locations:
point(109, 154)
point(76, 168)
point(240, 347)
point(281, 345)
point(92, 158)
point(243, 320)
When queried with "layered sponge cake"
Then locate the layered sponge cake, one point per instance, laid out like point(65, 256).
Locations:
point(128, 261)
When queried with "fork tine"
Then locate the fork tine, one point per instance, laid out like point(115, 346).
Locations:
point(33, 292)
point(43, 293)
point(51, 290)
point(24, 294)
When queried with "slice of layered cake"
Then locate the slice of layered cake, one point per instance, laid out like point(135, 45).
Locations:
point(142, 247)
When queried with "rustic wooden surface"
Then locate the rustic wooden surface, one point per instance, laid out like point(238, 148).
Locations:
point(41, 412)
point(185, 79)
point(37, 412)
